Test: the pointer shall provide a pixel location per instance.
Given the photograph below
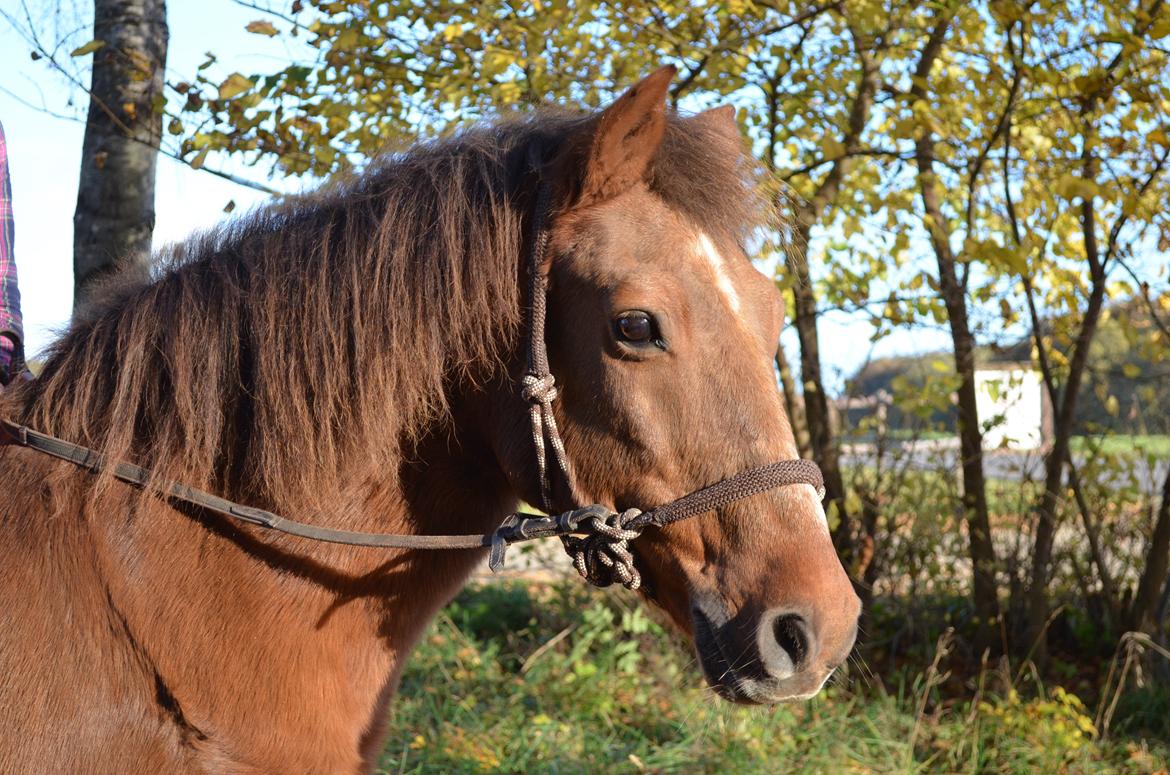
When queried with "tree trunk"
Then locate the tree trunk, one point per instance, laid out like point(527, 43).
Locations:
point(1062, 433)
point(816, 403)
point(792, 403)
point(954, 293)
point(114, 219)
point(1144, 612)
point(980, 547)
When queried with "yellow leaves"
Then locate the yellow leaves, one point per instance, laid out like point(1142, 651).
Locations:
point(346, 40)
point(261, 27)
point(1160, 28)
point(989, 252)
point(1089, 84)
point(831, 148)
point(1131, 370)
point(509, 92)
point(1007, 11)
point(905, 127)
point(233, 86)
point(197, 162)
point(1072, 187)
point(922, 119)
point(88, 48)
point(868, 16)
point(496, 60)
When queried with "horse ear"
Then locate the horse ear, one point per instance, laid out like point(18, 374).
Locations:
point(720, 119)
point(616, 148)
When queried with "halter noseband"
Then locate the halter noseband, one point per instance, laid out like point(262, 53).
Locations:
point(594, 536)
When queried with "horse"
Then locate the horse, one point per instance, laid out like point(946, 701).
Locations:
point(352, 356)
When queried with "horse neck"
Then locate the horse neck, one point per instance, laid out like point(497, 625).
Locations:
point(210, 600)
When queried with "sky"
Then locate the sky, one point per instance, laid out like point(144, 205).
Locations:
point(44, 153)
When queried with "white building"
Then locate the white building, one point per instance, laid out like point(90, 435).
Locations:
point(1014, 410)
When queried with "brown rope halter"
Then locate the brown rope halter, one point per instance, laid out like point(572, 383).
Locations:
point(594, 536)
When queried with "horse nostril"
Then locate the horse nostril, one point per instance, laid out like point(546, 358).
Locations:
point(791, 636)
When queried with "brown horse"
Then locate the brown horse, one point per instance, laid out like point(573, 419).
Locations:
point(350, 358)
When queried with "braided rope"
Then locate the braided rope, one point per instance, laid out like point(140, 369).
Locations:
point(539, 390)
point(538, 387)
point(603, 555)
point(744, 484)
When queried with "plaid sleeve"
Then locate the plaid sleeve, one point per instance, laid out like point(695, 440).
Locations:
point(11, 328)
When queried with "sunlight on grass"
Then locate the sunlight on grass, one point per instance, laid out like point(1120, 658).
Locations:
point(1157, 446)
point(616, 693)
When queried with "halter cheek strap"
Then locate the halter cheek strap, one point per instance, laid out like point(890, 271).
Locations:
point(538, 386)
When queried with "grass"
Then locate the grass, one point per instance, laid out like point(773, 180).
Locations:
point(1157, 446)
point(520, 678)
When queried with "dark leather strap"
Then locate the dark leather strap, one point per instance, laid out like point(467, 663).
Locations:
point(22, 436)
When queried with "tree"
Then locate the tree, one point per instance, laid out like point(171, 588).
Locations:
point(1084, 182)
point(824, 188)
point(114, 219)
point(953, 284)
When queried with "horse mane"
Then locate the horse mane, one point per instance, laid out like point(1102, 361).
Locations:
point(327, 328)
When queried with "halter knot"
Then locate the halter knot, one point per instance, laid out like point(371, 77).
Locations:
point(538, 388)
point(603, 556)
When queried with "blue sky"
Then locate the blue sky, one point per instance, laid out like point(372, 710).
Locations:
point(45, 151)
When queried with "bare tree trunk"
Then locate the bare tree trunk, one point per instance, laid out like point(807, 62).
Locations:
point(792, 404)
point(114, 219)
point(816, 404)
point(980, 547)
point(1062, 431)
point(1144, 612)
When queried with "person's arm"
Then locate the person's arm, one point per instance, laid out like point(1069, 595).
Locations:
point(11, 324)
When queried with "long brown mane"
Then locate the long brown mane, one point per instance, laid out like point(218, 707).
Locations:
point(255, 358)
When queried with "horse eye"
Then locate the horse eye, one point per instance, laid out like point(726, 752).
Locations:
point(634, 327)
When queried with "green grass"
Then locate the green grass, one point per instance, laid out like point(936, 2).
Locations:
point(616, 693)
point(1153, 445)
